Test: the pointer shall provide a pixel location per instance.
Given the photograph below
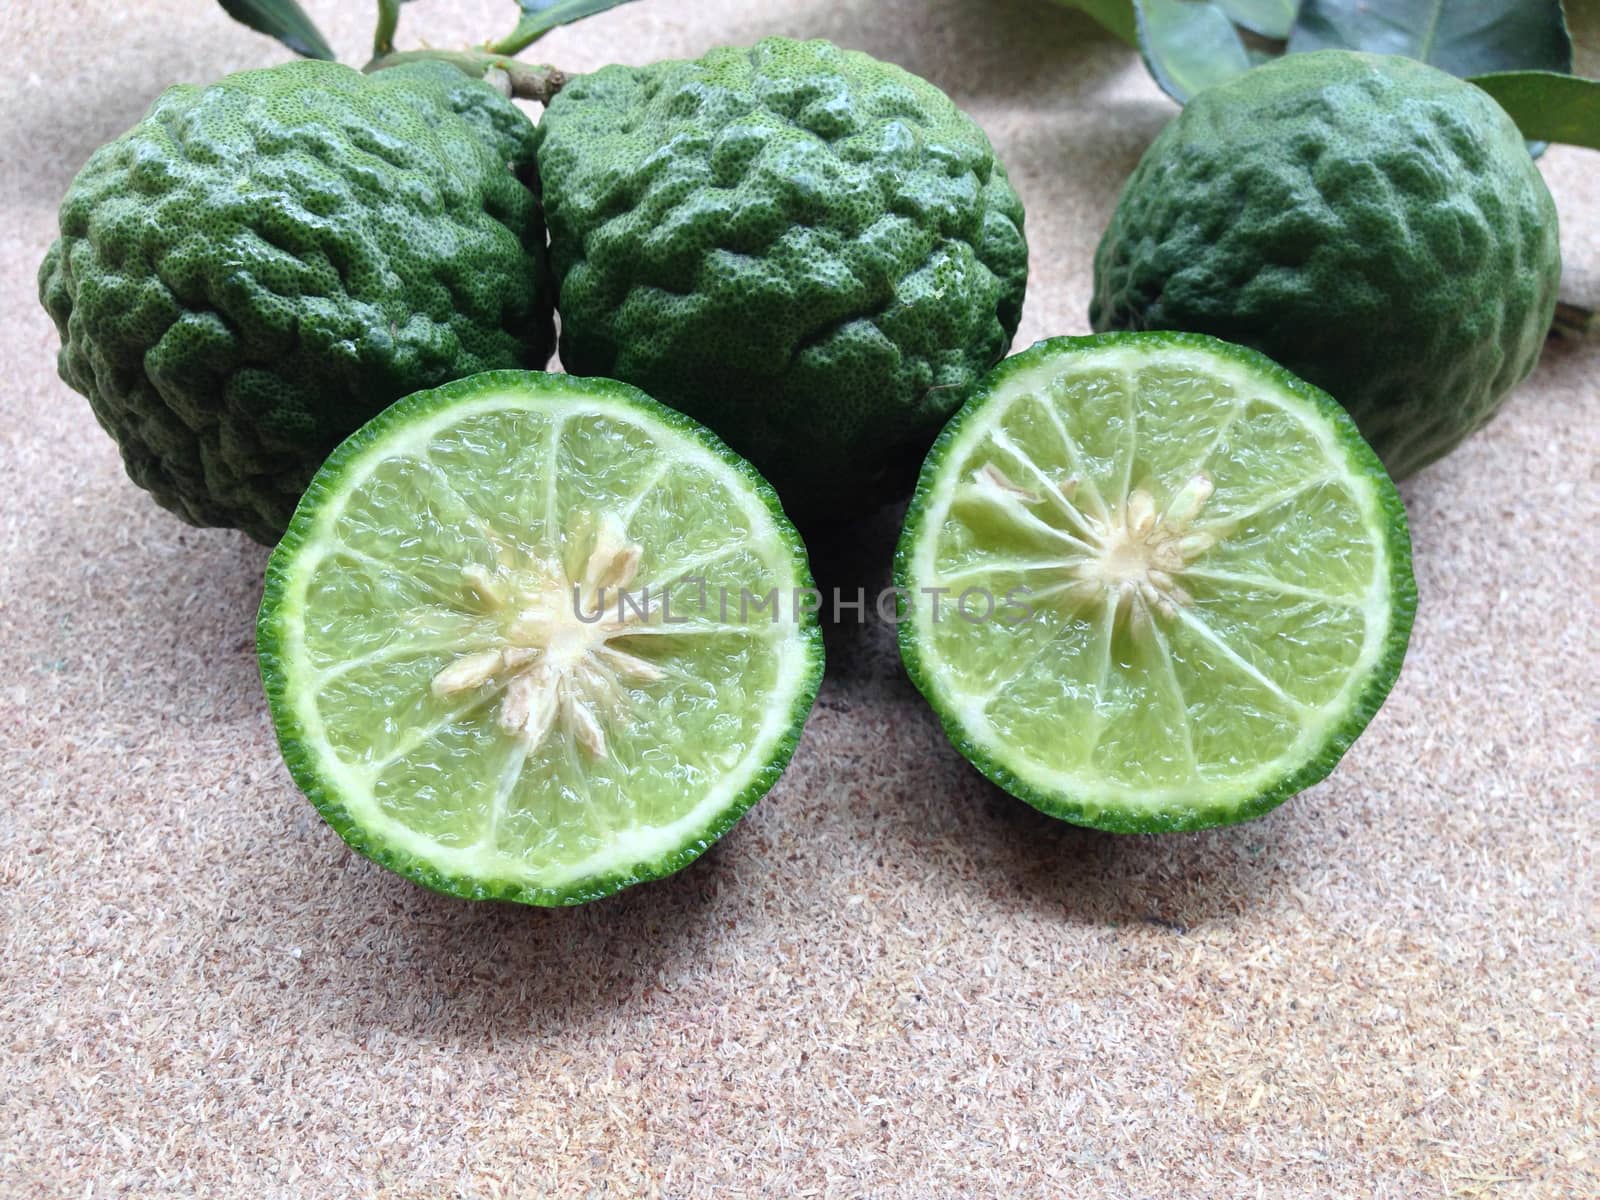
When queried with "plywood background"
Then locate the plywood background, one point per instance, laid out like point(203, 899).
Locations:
point(889, 980)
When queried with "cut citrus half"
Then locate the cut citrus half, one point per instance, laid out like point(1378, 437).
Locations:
point(1152, 581)
point(537, 638)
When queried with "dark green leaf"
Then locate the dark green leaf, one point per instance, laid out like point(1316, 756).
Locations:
point(1269, 18)
point(541, 16)
point(1188, 45)
point(1464, 37)
point(1115, 15)
point(282, 19)
point(1574, 321)
point(1548, 106)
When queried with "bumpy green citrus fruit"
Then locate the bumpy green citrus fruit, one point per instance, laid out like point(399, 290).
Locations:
point(814, 252)
point(258, 266)
point(1373, 224)
point(536, 637)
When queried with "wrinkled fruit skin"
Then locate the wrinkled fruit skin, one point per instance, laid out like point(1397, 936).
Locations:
point(259, 266)
point(813, 252)
point(1374, 225)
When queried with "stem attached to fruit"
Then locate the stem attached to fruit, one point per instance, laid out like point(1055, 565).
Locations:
point(525, 81)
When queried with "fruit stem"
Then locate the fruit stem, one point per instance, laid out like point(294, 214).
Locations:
point(525, 81)
point(388, 22)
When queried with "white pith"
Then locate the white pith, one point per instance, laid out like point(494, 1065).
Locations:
point(557, 665)
point(549, 674)
point(1119, 558)
point(1127, 559)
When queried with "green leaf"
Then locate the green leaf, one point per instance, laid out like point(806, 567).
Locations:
point(541, 16)
point(1574, 321)
point(1188, 45)
point(1115, 15)
point(1464, 37)
point(1547, 105)
point(1270, 18)
point(282, 19)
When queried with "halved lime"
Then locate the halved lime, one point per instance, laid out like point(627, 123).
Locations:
point(1152, 581)
point(537, 638)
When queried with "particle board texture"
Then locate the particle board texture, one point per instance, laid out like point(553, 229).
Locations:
point(890, 980)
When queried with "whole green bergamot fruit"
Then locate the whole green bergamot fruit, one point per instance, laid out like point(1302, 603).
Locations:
point(1372, 224)
point(259, 266)
point(814, 252)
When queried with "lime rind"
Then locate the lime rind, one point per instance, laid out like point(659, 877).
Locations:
point(1178, 808)
point(631, 855)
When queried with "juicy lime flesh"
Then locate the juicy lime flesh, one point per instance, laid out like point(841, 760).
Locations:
point(1204, 576)
point(468, 712)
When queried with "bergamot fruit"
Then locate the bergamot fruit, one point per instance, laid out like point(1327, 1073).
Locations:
point(536, 637)
point(1374, 225)
point(1153, 582)
point(814, 252)
point(259, 266)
